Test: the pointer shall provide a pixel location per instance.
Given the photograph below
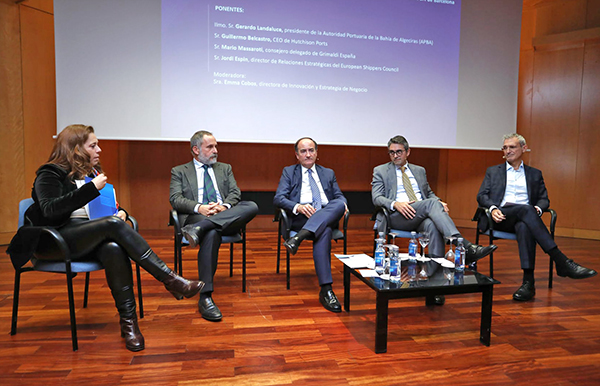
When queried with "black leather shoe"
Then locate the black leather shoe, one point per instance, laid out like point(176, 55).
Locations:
point(292, 244)
point(330, 301)
point(525, 293)
point(134, 340)
point(209, 310)
point(571, 269)
point(192, 234)
point(179, 286)
point(439, 300)
point(476, 252)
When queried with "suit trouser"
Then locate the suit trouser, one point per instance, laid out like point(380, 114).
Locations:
point(228, 222)
point(430, 217)
point(321, 224)
point(529, 228)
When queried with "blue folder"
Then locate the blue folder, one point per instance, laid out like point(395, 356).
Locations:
point(103, 205)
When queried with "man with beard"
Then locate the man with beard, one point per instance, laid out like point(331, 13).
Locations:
point(207, 200)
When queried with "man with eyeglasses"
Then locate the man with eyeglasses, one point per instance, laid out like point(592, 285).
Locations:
point(311, 195)
point(516, 196)
point(403, 189)
point(207, 199)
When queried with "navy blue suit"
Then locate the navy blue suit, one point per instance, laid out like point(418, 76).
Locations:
point(322, 222)
point(520, 219)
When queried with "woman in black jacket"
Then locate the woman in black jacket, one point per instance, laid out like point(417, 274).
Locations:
point(60, 195)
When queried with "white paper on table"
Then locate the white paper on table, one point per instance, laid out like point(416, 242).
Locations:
point(357, 261)
point(418, 257)
point(368, 272)
point(443, 262)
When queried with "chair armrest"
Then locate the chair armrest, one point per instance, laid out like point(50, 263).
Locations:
point(31, 232)
point(174, 220)
point(134, 223)
point(346, 218)
point(482, 211)
point(386, 214)
point(282, 217)
point(553, 218)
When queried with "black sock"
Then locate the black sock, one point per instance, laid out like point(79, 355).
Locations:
point(204, 295)
point(303, 234)
point(466, 243)
point(326, 287)
point(528, 276)
point(557, 255)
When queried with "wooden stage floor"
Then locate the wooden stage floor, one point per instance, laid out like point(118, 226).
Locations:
point(273, 336)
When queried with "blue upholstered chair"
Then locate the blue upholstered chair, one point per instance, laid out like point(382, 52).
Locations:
point(180, 242)
point(65, 266)
point(495, 235)
point(284, 232)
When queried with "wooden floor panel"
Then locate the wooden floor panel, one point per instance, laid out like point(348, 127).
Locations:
point(273, 336)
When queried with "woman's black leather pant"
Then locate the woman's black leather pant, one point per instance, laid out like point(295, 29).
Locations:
point(112, 241)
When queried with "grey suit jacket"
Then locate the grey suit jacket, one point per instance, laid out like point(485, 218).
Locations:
point(384, 186)
point(184, 187)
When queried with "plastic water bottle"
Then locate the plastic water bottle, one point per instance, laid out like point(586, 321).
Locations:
point(395, 268)
point(459, 255)
point(412, 245)
point(412, 257)
point(379, 256)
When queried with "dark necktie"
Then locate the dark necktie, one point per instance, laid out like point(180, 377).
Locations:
point(210, 194)
point(314, 188)
point(407, 185)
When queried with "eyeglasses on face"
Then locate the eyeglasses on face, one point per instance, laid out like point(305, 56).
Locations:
point(396, 153)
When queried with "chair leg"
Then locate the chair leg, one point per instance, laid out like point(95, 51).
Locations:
point(86, 290)
point(139, 285)
point(71, 306)
point(244, 261)
point(278, 246)
point(175, 254)
point(287, 269)
point(231, 260)
point(491, 255)
point(550, 273)
point(13, 327)
point(180, 256)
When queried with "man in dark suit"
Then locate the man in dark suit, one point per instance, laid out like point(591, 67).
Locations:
point(207, 199)
point(403, 189)
point(516, 196)
point(310, 193)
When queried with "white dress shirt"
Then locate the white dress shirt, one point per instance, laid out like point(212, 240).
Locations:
point(200, 177)
point(401, 195)
point(305, 190)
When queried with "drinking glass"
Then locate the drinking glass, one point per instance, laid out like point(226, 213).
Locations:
point(424, 241)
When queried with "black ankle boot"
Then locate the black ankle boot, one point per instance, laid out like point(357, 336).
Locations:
point(134, 340)
point(180, 287)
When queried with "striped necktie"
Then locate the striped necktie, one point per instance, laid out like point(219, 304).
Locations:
point(210, 194)
point(314, 188)
point(407, 185)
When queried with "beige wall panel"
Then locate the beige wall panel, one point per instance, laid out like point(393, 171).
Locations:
point(560, 16)
point(11, 121)
point(587, 206)
point(39, 89)
point(555, 125)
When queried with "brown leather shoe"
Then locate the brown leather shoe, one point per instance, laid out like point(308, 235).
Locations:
point(134, 340)
point(180, 287)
